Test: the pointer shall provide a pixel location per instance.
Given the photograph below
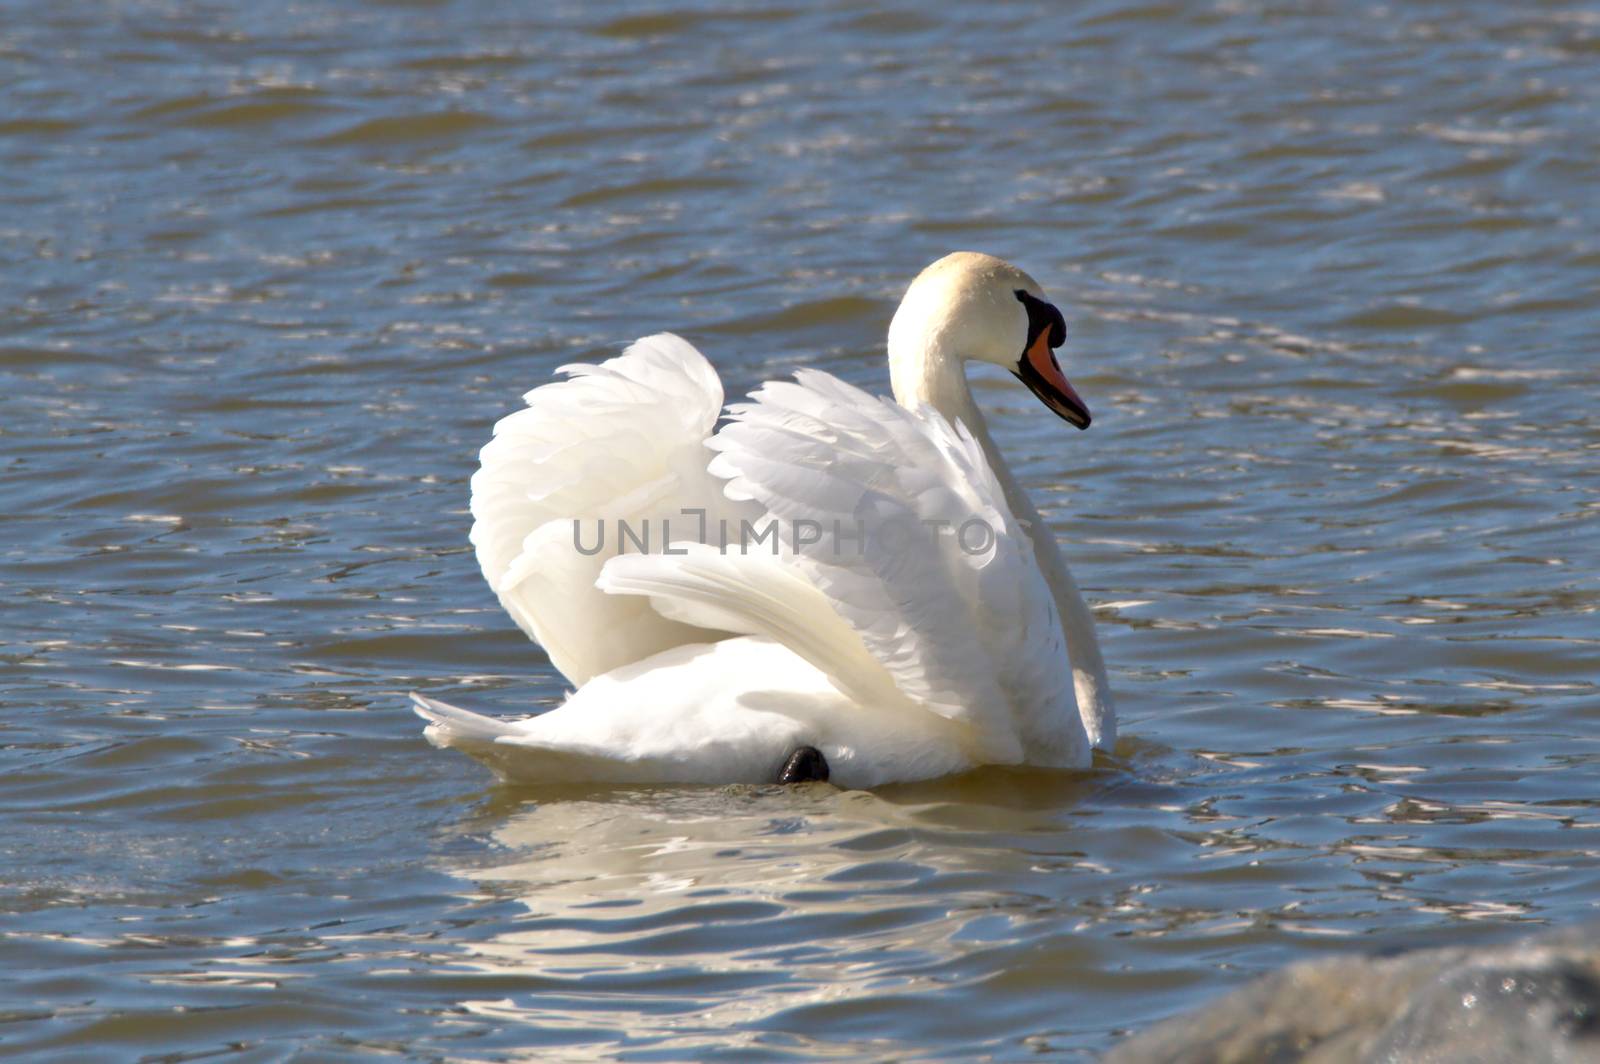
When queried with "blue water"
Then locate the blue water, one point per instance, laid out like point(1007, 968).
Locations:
point(270, 274)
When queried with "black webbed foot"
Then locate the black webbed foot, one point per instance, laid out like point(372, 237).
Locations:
point(805, 765)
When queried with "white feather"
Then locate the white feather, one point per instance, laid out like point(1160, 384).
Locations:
point(623, 441)
point(899, 622)
point(967, 634)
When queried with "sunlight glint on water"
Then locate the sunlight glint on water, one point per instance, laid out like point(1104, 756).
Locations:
point(272, 275)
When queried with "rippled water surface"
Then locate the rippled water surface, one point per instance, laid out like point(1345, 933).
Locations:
point(270, 273)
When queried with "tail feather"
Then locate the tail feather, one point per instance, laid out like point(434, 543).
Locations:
point(451, 726)
point(509, 751)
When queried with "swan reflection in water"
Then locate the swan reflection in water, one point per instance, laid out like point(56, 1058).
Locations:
point(681, 914)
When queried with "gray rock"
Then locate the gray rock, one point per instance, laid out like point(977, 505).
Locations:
point(1533, 1001)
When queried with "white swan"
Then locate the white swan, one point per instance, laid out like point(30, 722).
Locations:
point(836, 586)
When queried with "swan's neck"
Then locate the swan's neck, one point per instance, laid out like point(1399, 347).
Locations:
point(927, 373)
point(923, 370)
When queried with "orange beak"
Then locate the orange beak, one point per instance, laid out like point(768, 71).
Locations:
point(1040, 372)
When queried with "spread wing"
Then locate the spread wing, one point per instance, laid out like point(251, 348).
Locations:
point(624, 441)
point(896, 519)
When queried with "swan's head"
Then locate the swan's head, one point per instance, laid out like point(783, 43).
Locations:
point(983, 309)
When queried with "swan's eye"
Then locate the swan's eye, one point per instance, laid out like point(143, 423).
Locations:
point(1042, 316)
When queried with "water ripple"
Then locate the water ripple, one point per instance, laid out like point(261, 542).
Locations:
point(1329, 284)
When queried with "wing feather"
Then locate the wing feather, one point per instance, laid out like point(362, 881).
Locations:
point(964, 625)
point(624, 440)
